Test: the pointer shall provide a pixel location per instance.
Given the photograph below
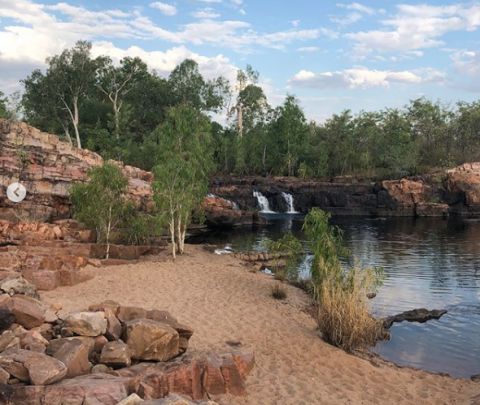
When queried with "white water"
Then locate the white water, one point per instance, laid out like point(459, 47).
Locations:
point(289, 200)
point(263, 203)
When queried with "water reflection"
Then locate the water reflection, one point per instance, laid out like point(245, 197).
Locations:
point(428, 263)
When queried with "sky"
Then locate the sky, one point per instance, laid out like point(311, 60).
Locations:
point(331, 55)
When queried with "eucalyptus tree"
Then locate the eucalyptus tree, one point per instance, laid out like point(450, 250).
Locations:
point(188, 86)
point(69, 79)
point(115, 82)
point(184, 162)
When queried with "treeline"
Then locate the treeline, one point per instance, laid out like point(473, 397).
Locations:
point(118, 111)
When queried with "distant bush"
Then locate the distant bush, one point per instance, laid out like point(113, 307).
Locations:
point(278, 292)
point(340, 293)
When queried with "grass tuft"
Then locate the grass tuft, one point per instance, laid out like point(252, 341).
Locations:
point(279, 292)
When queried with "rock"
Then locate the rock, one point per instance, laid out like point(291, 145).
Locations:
point(6, 319)
point(245, 361)
point(92, 389)
point(100, 368)
point(33, 340)
point(28, 311)
point(19, 285)
point(116, 354)
point(38, 368)
point(415, 315)
point(8, 339)
point(126, 314)
point(114, 327)
point(132, 399)
point(74, 353)
point(175, 399)
point(4, 376)
point(112, 305)
point(152, 340)
point(233, 380)
point(86, 323)
point(99, 343)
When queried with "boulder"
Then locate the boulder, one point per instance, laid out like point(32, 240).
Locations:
point(127, 313)
point(114, 327)
point(132, 399)
point(74, 353)
point(92, 389)
point(37, 368)
point(86, 323)
point(28, 311)
point(18, 285)
point(6, 318)
point(116, 354)
point(8, 339)
point(33, 340)
point(4, 376)
point(152, 340)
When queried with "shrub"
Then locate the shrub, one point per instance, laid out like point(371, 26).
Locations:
point(278, 292)
point(340, 293)
point(286, 254)
point(100, 204)
point(342, 312)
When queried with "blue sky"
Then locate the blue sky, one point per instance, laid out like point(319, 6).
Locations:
point(331, 55)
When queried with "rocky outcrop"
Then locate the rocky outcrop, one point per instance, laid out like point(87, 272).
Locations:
point(463, 189)
point(70, 359)
point(220, 212)
point(405, 197)
point(47, 167)
point(420, 315)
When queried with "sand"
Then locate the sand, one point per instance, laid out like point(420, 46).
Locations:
point(223, 301)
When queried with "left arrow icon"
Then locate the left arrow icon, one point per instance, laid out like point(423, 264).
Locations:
point(16, 192)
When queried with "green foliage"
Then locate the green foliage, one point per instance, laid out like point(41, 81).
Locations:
point(342, 312)
point(184, 162)
point(287, 252)
point(117, 110)
point(101, 203)
point(3, 106)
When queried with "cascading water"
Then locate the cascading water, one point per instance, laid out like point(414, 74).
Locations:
point(263, 203)
point(289, 200)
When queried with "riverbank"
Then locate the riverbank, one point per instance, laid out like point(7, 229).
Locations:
point(223, 301)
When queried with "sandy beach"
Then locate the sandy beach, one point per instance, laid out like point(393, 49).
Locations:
point(223, 301)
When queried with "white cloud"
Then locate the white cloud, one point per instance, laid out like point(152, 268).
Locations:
point(206, 14)
point(165, 8)
point(362, 77)
point(467, 62)
point(417, 27)
point(308, 49)
point(357, 7)
point(347, 19)
point(295, 23)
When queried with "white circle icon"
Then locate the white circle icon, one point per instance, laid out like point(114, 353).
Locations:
point(16, 192)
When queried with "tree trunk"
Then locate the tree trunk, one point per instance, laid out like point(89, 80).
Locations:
point(67, 133)
point(109, 227)
point(172, 235)
point(76, 121)
point(240, 120)
point(116, 112)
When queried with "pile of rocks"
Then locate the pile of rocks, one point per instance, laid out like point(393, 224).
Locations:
point(103, 355)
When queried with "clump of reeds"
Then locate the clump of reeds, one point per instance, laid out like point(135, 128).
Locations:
point(278, 292)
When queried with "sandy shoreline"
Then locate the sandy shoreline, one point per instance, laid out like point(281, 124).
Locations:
point(222, 301)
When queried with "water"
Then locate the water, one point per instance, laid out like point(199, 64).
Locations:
point(289, 200)
point(263, 203)
point(428, 263)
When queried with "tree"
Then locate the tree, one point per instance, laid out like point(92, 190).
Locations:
point(181, 174)
point(101, 203)
point(116, 82)
point(3, 106)
point(289, 132)
point(189, 87)
point(71, 76)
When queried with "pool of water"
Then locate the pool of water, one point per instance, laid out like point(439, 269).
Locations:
point(429, 263)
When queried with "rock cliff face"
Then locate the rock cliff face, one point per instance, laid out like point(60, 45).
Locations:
point(404, 197)
point(47, 167)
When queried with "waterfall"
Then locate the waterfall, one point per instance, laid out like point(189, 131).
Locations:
point(263, 203)
point(289, 200)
